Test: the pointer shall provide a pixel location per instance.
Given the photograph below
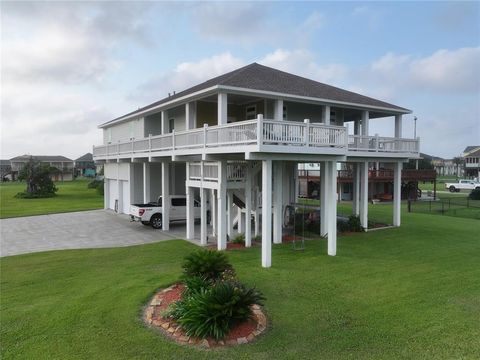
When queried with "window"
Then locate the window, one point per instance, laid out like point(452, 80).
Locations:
point(179, 202)
point(109, 135)
point(251, 112)
point(333, 116)
point(171, 125)
point(284, 112)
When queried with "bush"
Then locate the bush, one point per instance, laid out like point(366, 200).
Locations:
point(214, 311)
point(474, 194)
point(239, 239)
point(207, 264)
point(354, 224)
point(27, 195)
point(97, 184)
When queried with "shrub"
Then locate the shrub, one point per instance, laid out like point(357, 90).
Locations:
point(239, 239)
point(206, 263)
point(474, 194)
point(195, 285)
point(354, 224)
point(214, 311)
point(257, 238)
point(96, 184)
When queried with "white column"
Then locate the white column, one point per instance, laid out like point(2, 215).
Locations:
point(397, 193)
point(222, 109)
point(165, 196)
point(297, 182)
point(324, 197)
point(203, 216)
point(398, 126)
point(213, 212)
point(106, 193)
point(326, 115)
point(222, 206)
point(164, 122)
point(248, 208)
point(146, 182)
point(229, 214)
point(190, 115)
point(364, 194)
point(356, 189)
point(266, 213)
point(256, 220)
point(278, 202)
point(365, 122)
point(278, 110)
point(332, 205)
point(190, 214)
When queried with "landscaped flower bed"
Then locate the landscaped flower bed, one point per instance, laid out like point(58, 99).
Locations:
point(210, 307)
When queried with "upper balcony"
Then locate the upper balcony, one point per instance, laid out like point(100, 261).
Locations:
point(260, 135)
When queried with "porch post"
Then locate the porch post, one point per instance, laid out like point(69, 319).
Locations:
point(229, 213)
point(203, 216)
point(165, 196)
point(240, 228)
point(266, 213)
point(248, 208)
point(278, 202)
point(398, 126)
point(190, 115)
point(326, 115)
point(222, 114)
point(332, 205)
point(164, 122)
point(324, 200)
point(106, 193)
point(222, 205)
point(146, 182)
point(190, 213)
point(256, 220)
point(397, 193)
point(278, 110)
point(364, 194)
point(213, 212)
point(356, 189)
point(365, 122)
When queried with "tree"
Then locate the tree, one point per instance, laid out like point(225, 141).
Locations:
point(37, 177)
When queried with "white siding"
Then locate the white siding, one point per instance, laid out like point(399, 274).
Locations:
point(125, 198)
point(124, 131)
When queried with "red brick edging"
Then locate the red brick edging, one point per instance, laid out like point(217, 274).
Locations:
point(153, 317)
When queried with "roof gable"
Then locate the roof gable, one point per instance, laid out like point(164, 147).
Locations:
point(44, 158)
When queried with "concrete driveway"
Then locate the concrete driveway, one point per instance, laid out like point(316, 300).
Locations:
point(78, 230)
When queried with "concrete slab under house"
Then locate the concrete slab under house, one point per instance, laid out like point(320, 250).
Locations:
point(233, 144)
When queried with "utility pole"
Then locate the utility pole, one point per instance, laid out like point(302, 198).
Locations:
point(415, 136)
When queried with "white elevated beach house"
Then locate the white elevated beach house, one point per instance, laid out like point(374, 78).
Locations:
point(234, 142)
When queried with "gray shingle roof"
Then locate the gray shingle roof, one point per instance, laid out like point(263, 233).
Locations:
point(263, 78)
point(45, 158)
point(470, 148)
point(86, 157)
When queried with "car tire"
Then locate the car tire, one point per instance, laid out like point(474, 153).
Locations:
point(156, 221)
point(146, 223)
point(452, 189)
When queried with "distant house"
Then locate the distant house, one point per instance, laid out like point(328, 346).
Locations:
point(5, 169)
point(471, 155)
point(444, 167)
point(63, 165)
point(85, 166)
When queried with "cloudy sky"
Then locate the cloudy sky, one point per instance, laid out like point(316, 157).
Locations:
point(68, 66)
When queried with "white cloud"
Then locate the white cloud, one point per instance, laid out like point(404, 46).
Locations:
point(185, 75)
point(315, 21)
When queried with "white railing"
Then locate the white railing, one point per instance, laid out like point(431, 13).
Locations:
point(236, 171)
point(260, 132)
point(383, 144)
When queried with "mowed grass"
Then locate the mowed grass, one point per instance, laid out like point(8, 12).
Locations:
point(71, 196)
point(406, 293)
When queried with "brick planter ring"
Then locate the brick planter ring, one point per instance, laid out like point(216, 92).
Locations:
point(162, 299)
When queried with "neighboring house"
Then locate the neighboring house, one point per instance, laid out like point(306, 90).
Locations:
point(85, 166)
point(5, 169)
point(380, 182)
point(471, 156)
point(444, 167)
point(63, 165)
point(236, 140)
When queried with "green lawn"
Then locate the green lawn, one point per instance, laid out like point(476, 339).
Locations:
point(406, 293)
point(71, 196)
